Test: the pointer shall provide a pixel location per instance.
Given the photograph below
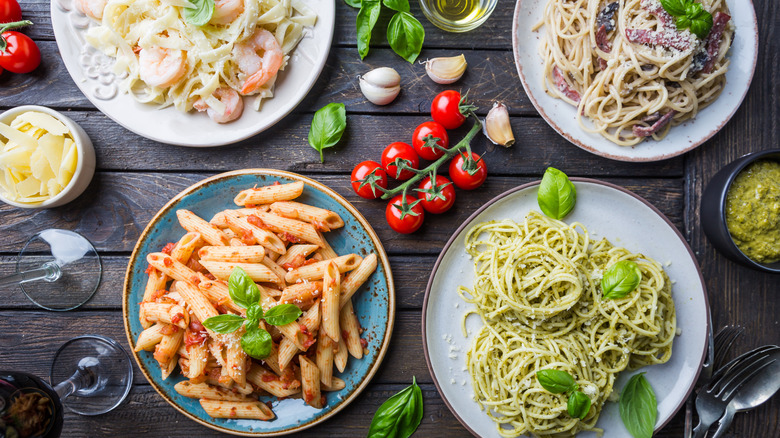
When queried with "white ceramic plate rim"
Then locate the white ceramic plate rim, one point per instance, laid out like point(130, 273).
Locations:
point(457, 395)
point(683, 138)
point(193, 129)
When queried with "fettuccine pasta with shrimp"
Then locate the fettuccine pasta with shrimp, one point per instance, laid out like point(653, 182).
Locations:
point(168, 60)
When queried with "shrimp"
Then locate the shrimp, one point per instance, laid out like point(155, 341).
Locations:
point(161, 67)
point(91, 8)
point(225, 11)
point(260, 69)
point(234, 105)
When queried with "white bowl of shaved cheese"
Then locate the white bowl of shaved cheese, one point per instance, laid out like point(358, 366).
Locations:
point(46, 159)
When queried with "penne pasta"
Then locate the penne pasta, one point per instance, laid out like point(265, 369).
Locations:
point(320, 218)
point(241, 253)
point(155, 283)
point(194, 224)
point(296, 255)
point(165, 352)
point(293, 229)
point(150, 337)
point(256, 410)
point(185, 246)
point(356, 278)
point(326, 252)
point(242, 228)
point(330, 301)
point(336, 385)
point(301, 294)
point(217, 292)
point(204, 390)
point(310, 383)
point(271, 383)
point(350, 328)
point(341, 355)
point(316, 271)
point(170, 267)
point(269, 194)
point(278, 270)
point(197, 302)
point(167, 313)
point(324, 357)
point(256, 271)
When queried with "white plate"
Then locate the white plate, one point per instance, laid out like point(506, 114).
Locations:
point(91, 70)
point(607, 211)
point(682, 138)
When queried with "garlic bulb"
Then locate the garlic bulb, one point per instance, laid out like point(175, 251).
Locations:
point(446, 70)
point(497, 127)
point(381, 85)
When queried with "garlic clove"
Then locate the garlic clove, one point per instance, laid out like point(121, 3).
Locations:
point(497, 127)
point(446, 70)
point(381, 85)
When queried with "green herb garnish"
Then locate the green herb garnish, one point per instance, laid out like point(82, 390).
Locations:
point(689, 15)
point(620, 279)
point(405, 34)
point(200, 14)
point(557, 194)
point(366, 19)
point(638, 407)
point(559, 382)
point(327, 126)
point(256, 342)
point(579, 405)
point(400, 415)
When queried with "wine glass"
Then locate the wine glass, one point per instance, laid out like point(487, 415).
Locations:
point(94, 376)
point(57, 270)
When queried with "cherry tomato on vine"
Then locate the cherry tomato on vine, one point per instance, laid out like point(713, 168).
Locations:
point(432, 130)
point(401, 222)
point(436, 199)
point(399, 150)
point(468, 174)
point(21, 55)
point(446, 109)
point(10, 11)
point(364, 174)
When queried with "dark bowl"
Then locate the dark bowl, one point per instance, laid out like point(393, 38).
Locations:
point(713, 210)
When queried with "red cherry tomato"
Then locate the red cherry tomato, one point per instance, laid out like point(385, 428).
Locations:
point(445, 109)
point(10, 11)
point(410, 222)
point(463, 178)
point(435, 130)
point(401, 150)
point(21, 55)
point(362, 175)
point(436, 200)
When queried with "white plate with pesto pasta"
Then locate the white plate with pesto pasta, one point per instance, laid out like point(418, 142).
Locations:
point(624, 220)
point(189, 65)
point(642, 73)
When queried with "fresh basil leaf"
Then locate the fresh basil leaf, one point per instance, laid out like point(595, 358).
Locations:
point(226, 323)
point(353, 3)
point(254, 313)
point(327, 126)
point(405, 35)
point(400, 415)
point(557, 195)
point(675, 8)
point(578, 405)
point(556, 381)
point(620, 279)
point(638, 407)
point(243, 290)
point(282, 314)
point(701, 23)
point(200, 14)
point(683, 22)
point(366, 20)
point(397, 5)
point(256, 342)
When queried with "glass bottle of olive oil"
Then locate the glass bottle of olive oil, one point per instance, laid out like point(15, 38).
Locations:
point(457, 15)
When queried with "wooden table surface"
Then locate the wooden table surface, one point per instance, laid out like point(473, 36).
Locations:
point(136, 176)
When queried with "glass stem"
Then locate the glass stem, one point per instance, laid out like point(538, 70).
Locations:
point(82, 378)
point(49, 272)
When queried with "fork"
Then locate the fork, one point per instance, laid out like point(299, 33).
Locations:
point(711, 400)
point(716, 353)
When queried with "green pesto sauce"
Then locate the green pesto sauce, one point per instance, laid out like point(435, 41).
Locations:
point(753, 211)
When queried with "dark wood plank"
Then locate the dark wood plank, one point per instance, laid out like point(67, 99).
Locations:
point(494, 34)
point(31, 349)
point(117, 206)
point(410, 274)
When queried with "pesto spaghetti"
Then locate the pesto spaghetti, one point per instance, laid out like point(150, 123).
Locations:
point(537, 291)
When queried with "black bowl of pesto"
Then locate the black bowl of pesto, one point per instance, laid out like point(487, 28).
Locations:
point(740, 210)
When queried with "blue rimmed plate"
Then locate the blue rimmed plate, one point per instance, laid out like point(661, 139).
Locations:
point(374, 303)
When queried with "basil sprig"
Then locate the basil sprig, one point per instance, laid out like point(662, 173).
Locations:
point(405, 34)
point(620, 279)
point(559, 382)
point(400, 415)
point(200, 14)
point(327, 126)
point(256, 342)
point(638, 407)
point(689, 15)
point(557, 195)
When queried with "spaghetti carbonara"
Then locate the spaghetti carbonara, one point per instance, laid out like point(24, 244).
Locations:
point(628, 69)
point(537, 290)
point(166, 60)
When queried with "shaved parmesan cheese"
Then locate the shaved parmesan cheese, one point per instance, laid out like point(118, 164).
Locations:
point(38, 157)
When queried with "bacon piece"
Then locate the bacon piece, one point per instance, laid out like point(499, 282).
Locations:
point(564, 87)
point(647, 131)
point(655, 8)
point(712, 42)
point(671, 39)
point(602, 41)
